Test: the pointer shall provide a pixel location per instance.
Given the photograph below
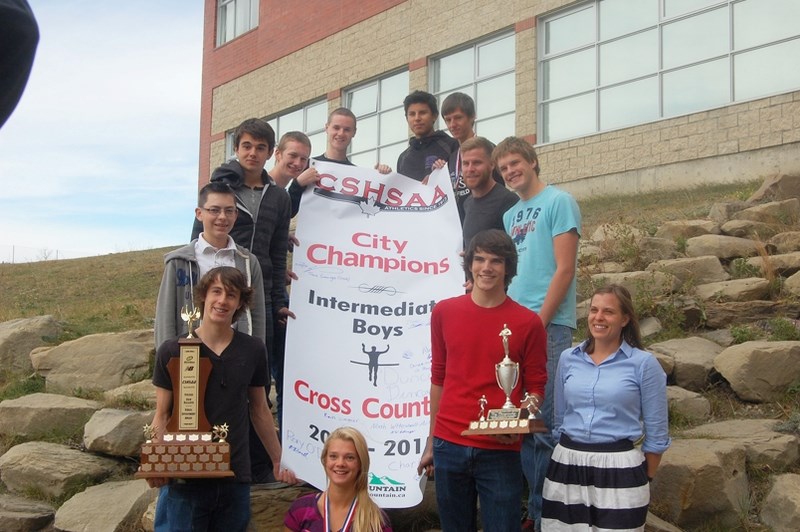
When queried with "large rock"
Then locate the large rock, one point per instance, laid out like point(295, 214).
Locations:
point(776, 188)
point(52, 469)
point(109, 507)
point(19, 337)
point(649, 326)
point(688, 404)
point(655, 282)
point(687, 229)
point(719, 315)
point(781, 508)
point(722, 337)
point(139, 393)
point(698, 270)
point(786, 242)
point(722, 212)
point(721, 246)
point(792, 284)
point(748, 289)
point(656, 524)
point(764, 446)
point(751, 229)
point(693, 360)
point(785, 212)
point(785, 263)
point(95, 362)
point(38, 414)
point(652, 249)
point(268, 507)
point(589, 253)
point(116, 432)
point(616, 232)
point(701, 481)
point(18, 514)
point(760, 371)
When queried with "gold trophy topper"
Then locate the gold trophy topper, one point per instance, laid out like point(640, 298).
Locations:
point(190, 316)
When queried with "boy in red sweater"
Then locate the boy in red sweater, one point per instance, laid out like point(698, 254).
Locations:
point(466, 345)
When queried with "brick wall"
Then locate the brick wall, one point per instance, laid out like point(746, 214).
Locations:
point(748, 129)
point(741, 141)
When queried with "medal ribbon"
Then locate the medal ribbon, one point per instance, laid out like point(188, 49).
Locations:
point(348, 521)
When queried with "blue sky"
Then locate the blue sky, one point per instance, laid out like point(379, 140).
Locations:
point(101, 154)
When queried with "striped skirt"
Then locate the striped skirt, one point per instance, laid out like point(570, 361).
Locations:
point(595, 487)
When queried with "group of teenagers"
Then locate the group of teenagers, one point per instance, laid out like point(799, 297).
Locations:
point(603, 402)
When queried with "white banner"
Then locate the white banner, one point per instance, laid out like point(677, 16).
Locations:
point(376, 253)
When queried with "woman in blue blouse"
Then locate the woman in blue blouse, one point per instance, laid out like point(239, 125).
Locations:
point(609, 393)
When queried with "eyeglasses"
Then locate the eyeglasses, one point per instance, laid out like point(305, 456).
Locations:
point(216, 211)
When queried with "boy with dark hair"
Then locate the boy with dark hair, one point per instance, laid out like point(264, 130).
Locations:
point(216, 211)
point(468, 468)
point(458, 112)
point(262, 222)
point(427, 145)
point(231, 397)
point(262, 225)
point(545, 226)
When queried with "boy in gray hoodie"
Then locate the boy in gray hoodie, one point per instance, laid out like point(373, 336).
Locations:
point(216, 211)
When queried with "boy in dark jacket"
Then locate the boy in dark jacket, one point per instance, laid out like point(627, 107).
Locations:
point(262, 225)
point(427, 145)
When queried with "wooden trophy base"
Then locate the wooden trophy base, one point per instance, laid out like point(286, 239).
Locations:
point(185, 455)
point(505, 421)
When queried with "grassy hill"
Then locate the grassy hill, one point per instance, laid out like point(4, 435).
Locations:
point(117, 292)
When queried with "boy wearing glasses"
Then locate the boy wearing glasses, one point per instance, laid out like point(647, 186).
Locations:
point(262, 223)
point(216, 211)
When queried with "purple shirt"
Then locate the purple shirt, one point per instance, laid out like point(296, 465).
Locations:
point(304, 516)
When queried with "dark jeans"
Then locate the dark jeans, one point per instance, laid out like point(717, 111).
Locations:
point(537, 448)
point(465, 474)
point(203, 506)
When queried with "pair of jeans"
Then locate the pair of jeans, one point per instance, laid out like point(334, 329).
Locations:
point(206, 505)
point(537, 448)
point(465, 474)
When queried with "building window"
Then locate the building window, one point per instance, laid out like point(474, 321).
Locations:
point(485, 71)
point(235, 17)
point(310, 119)
point(607, 64)
point(381, 128)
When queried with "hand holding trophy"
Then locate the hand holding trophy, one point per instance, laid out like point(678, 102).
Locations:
point(509, 419)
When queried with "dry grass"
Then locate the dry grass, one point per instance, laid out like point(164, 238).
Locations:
point(117, 292)
point(109, 293)
point(648, 211)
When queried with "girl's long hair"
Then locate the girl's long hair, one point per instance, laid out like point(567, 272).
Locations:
point(369, 517)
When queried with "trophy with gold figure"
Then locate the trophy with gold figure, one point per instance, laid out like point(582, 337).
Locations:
point(509, 419)
point(189, 446)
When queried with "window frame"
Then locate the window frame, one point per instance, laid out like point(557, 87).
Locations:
point(380, 113)
point(222, 37)
point(476, 78)
point(274, 121)
point(660, 73)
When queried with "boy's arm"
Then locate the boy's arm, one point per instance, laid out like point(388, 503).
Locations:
point(565, 251)
point(279, 248)
point(258, 312)
point(165, 327)
point(264, 425)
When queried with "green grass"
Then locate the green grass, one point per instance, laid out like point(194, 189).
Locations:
point(13, 386)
